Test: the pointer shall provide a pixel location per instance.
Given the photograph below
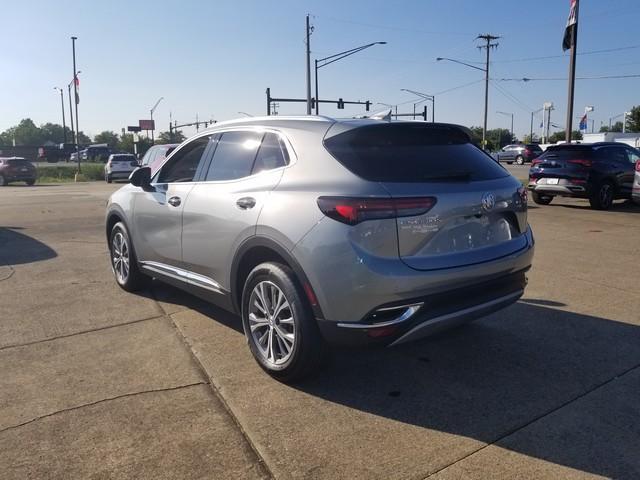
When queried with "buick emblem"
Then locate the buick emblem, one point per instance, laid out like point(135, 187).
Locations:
point(488, 202)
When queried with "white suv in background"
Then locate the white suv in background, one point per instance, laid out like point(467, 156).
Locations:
point(119, 166)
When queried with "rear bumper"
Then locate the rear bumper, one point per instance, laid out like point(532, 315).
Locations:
point(19, 177)
point(119, 174)
point(436, 313)
point(561, 190)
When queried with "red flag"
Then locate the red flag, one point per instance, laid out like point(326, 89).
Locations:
point(567, 41)
point(76, 80)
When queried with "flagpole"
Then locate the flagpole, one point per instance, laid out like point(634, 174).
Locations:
point(75, 95)
point(572, 74)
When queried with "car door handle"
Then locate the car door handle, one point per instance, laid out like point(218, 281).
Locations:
point(174, 201)
point(245, 203)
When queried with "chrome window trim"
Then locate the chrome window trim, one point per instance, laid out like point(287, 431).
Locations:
point(293, 156)
point(187, 276)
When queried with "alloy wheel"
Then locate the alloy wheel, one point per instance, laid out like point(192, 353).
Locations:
point(120, 257)
point(606, 195)
point(271, 322)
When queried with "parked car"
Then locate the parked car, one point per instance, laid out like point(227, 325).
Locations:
point(16, 169)
point(156, 154)
point(599, 172)
point(95, 153)
point(520, 154)
point(635, 193)
point(119, 166)
point(319, 231)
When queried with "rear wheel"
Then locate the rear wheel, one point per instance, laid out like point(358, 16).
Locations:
point(3, 181)
point(279, 325)
point(519, 160)
point(123, 260)
point(602, 196)
point(108, 179)
point(31, 182)
point(541, 199)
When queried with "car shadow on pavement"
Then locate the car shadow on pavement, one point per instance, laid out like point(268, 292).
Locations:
point(17, 248)
point(488, 379)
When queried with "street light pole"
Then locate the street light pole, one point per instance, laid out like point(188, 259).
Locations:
point(64, 126)
point(323, 62)
point(531, 132)
point(153, 109)
point(75, 96)
point(309, 30)
point(488, 38)
point(508, 114)
point(425, 96)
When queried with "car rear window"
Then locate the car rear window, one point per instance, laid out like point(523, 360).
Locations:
point(534, 146)
point(567, 152)
point(412, 153)
point(124, 159)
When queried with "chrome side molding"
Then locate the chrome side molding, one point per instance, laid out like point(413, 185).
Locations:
point(183, 275)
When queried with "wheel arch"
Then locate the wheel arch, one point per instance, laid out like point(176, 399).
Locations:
point(257, 250)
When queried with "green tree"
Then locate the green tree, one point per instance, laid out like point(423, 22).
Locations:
point(616, 127)
point(53, 132)
point(175, 136)
point(633, 120)
point(108, 137)
point(560, 136)
point(25, 133)
point(125, 144)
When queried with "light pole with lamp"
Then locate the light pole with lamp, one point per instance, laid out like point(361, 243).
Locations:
point(64, 126)
point(531, 131)
point(425, 96)
point(508, 114)
point(323, 62)
point(70, 107)
point(486, 91)
point(153, 109)
point(245, 114)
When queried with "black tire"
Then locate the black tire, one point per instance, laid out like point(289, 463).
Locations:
point(108, 179)
point(3, 181)
point(134, 279)
point(308, 351)
point(519, 160)
point(541, 199)
point(602, 197)
point(31, 183)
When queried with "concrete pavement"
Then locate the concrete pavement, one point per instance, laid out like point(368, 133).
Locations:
point(102, 383)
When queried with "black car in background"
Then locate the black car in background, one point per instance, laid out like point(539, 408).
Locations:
point(600, 172)
point(16, 169)
point(519, 153)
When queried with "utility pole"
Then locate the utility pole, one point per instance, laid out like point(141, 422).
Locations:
point(309, 31)
point(75, 92)
point(488, 38)
point(572, 69)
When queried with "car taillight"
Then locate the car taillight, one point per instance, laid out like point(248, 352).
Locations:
point(638, 166)
point(522, 192)
point(535, 162)
point(581, 161)
point(527, 151)
point(352, 211)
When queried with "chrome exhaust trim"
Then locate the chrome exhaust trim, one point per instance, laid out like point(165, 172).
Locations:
point(408, 311)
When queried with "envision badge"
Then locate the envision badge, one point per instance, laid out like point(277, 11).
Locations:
point(488, 201)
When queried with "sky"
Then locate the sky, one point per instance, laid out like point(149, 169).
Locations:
point(216, 58)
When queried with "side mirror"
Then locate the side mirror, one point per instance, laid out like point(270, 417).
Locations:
point(141, 177)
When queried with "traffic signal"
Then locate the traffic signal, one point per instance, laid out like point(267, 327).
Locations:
point(367, 105)
point(340, 104)
point(313, 103)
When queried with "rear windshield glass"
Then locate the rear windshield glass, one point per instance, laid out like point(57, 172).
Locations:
point(568, 152)
point(16, 161)
point(124, 159)
point(534, 146)
point(412, 153)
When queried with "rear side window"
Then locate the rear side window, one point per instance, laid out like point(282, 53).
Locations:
point(270, 155)
point(234, 155)
point(535, 147)
point(412, 153)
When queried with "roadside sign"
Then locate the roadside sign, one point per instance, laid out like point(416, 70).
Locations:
point(147, 124)
point(133, 128)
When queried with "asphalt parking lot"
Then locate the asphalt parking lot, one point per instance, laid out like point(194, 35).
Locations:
point(99, 383)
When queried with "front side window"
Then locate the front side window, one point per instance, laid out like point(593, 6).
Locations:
point(183, 165)
point(234, 155)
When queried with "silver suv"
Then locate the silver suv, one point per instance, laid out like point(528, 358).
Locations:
point(320, 231)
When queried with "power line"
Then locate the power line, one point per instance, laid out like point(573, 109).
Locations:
point(591, 52)
point(600, 77)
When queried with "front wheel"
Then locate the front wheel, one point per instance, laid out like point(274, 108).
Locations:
point(31, 182)
point(519, 160)
point(123, 260)
point(3, 181)
point(541, 199)
point(280, 327)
